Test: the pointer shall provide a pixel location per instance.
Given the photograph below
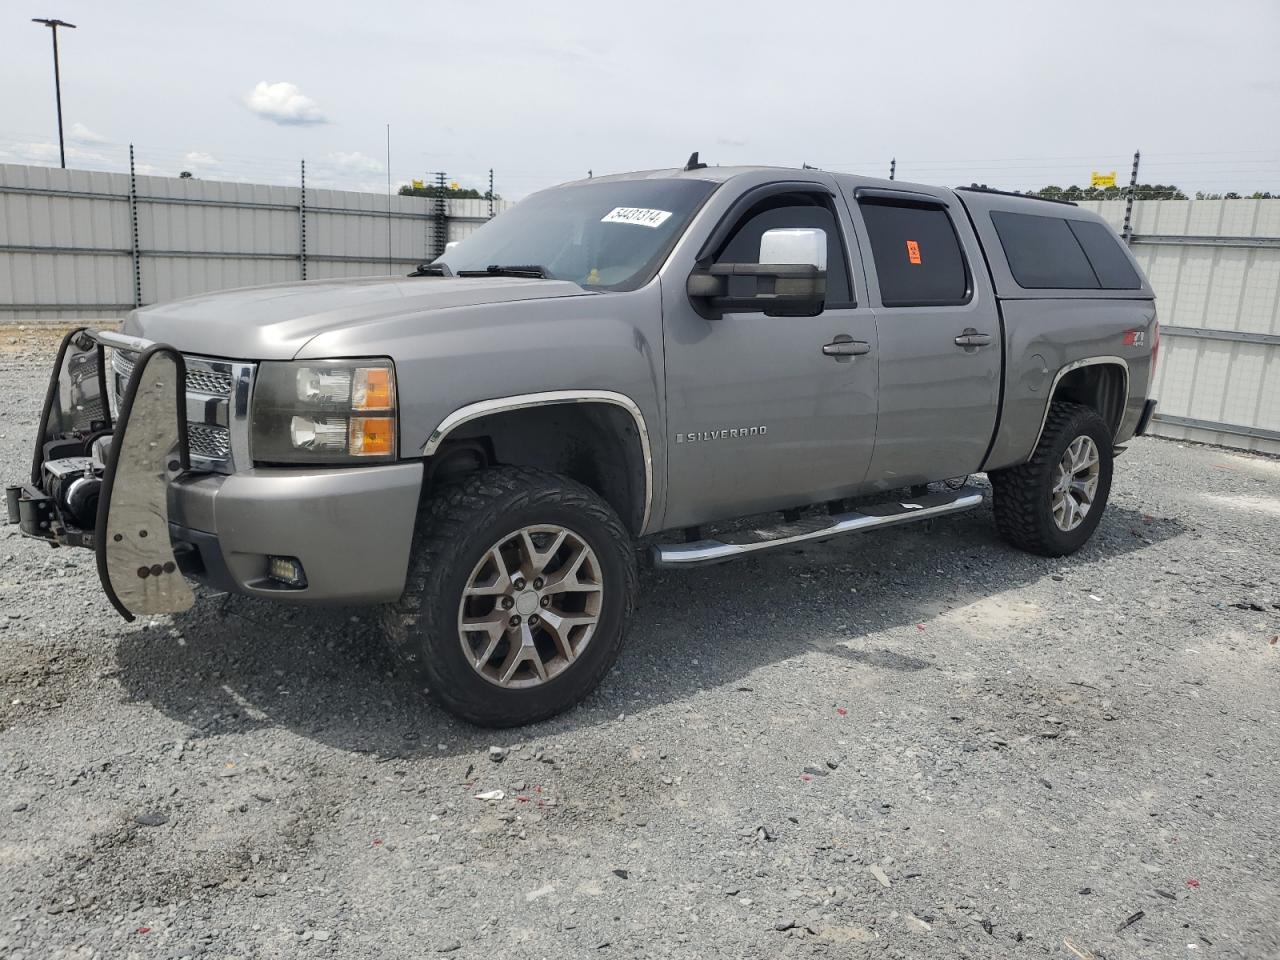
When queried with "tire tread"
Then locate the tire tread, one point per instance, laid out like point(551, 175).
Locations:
point(1018, 498)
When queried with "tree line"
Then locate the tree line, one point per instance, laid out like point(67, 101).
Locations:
point(431, 192)
point(1143, 191)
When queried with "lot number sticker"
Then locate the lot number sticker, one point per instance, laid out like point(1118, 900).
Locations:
point(913, 252)
point(640, 216)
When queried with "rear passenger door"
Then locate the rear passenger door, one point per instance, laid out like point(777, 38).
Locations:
point(939, 336)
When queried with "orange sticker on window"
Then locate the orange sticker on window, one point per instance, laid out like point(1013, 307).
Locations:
point(913, 252)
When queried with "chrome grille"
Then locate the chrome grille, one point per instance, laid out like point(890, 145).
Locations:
point(212, 425)
point(207, 440)
point(122, 362)
point(208, 381)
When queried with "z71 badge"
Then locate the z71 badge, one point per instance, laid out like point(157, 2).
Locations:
point(724, 433)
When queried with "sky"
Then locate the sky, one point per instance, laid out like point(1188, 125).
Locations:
point(1013, 94)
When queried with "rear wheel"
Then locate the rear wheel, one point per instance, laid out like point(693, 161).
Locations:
point(1052, 503)
point(518, 593)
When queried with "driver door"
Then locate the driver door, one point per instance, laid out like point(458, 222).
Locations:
point(759, 417)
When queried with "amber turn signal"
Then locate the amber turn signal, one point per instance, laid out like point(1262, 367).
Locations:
point(371, 437)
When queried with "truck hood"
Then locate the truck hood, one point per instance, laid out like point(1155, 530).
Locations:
point(274, 322)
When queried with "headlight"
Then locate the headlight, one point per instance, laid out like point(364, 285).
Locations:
point(324, 411)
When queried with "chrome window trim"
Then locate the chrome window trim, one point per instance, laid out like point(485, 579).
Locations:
point(483, 408)
point(1076, 365)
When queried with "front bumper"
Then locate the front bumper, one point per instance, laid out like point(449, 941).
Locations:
point(351, 530)
point(120, 482)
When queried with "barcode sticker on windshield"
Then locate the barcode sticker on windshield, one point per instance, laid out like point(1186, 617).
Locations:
point(640, 216)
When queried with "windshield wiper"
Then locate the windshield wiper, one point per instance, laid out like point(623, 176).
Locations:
point(509, 270)
point(431, 270)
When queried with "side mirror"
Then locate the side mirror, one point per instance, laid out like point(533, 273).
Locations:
point(789, 281)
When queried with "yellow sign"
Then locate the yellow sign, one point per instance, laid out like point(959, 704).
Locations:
point(1104, 179)
point(418, 184)
point(453, 184)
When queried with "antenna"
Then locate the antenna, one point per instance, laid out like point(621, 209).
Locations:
point(693, 163)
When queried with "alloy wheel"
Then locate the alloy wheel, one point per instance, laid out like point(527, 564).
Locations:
point(1075, 483)
point(531, 606)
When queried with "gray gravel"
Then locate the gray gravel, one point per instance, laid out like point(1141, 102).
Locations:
point(911, 744)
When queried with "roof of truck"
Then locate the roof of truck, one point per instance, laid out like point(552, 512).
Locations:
point(716, 174)
point(980, 203)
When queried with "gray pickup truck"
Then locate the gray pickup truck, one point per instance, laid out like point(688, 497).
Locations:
point(479, 447)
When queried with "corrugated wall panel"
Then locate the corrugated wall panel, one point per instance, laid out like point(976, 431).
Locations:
point(194, 236)
point(1232, 285)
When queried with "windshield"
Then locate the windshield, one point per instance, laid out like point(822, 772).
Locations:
point(610, 235)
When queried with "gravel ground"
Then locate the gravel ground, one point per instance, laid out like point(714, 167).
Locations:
point(917, 743)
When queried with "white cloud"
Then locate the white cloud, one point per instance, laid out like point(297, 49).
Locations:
point(82, 134)
point(195, 158)
point(283, 103)
point(355, 162)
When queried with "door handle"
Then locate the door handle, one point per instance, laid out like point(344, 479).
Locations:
point(845, 347)
point(972, 338)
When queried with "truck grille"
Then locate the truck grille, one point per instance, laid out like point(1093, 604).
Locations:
point(206, 440)
point(211, 422)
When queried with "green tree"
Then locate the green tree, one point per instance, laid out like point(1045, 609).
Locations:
point(1145, 191)
point(431, 191)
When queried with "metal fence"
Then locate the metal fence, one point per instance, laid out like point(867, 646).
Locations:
point(77, 243)
point(1215, 267)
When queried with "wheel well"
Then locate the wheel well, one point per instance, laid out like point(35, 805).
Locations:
point(1102, 386)
point(597, 444)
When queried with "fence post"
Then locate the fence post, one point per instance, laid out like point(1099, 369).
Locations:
point(893, 168)
point(441, 216)
point(1128, 202)
point(491, 193)
point(302, 222)
point(133, 217)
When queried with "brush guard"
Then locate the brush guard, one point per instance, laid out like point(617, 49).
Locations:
point(100, 478)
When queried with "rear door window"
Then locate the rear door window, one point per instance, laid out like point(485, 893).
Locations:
point(917, 254)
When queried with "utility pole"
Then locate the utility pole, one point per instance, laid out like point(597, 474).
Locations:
point(893, 168)
point(53, 25)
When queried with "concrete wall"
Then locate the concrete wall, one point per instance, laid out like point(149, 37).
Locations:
point(67, 240)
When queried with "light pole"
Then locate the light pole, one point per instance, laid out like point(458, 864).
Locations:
point(57, 78)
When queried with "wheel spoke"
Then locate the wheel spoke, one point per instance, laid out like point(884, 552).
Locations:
point(509, 666)
point(493, 627)
point(560, 626)
point(569, 579)
point(501, 582)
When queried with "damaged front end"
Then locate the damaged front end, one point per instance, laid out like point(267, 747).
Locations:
point(100, 476)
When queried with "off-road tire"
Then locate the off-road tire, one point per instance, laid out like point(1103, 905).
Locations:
point(1023, 495)
point(455, 528)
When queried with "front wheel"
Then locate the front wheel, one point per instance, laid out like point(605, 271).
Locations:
point(1052, 503)
point(518, 593)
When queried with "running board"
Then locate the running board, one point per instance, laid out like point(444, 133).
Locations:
point(872, 517)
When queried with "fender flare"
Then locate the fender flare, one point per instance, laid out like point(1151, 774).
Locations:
point(1076, 365)
point(484, 408)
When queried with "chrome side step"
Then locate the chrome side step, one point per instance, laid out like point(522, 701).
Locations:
point(872, 517)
